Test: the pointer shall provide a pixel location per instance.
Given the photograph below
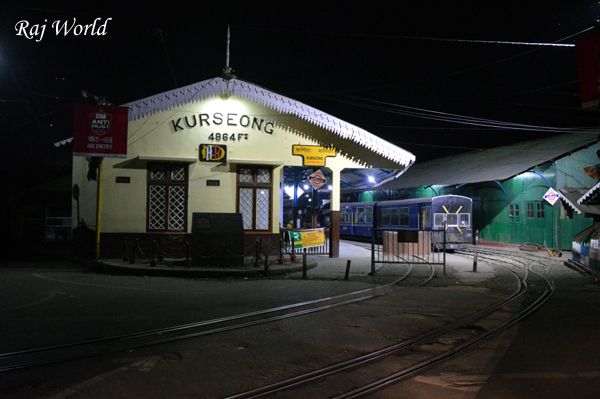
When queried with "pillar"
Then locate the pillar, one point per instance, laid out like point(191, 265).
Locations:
point(335, 213)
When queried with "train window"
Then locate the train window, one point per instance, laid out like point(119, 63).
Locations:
point(403, 217)
point(360, 215)
point(394, 217)
point(346, 216)
point(369, 215)
point(385, 217)
point(439, 219)
point(464, 220)
point(452, 219)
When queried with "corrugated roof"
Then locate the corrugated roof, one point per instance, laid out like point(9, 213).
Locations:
point(236, 87)
point(493, 164)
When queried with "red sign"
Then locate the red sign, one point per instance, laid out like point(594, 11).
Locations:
point(100, 131)
point(588, 68)
point(317, 179)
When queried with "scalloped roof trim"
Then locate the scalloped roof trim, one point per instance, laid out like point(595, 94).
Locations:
point(219, 86)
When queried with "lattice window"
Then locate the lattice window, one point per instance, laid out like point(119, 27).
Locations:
point(157, 174)
point(254, 197)
point(167, 197)
point(263, 175)
point(157, 207)
point(263, 208)
point(245, 175)
point(247, 207)
point(178, 173)
point(176, 219)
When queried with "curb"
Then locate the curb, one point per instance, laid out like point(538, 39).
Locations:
point(162, 271)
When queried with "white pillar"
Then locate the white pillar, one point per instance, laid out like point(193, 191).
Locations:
point(336, 189)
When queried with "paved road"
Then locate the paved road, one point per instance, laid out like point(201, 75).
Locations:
point(554, 351)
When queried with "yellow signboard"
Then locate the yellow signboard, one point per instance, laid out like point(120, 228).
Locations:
point(313, 155)
point(308, 238)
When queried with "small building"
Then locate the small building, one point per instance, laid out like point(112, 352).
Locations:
point(220, 146)
point(508, 184)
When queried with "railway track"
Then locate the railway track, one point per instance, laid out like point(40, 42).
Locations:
point(361, 375)
point(22, 359)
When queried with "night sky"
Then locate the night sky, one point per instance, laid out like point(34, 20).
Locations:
point(359, 63)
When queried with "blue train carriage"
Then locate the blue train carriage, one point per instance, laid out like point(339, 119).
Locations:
point(456, 213)
point(357, 219)
point(407, 214)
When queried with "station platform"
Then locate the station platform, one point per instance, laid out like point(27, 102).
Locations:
point(358, 254)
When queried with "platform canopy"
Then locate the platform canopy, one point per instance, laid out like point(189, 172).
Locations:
point(498, 163)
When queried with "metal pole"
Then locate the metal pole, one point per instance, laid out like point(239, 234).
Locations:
point(330, 241)
point(266, 265)
point(475, 263)
point(295, 197)
point(154, 253)
point(347, 269)
point(304, 263)
point(160, 256)
point(78, 217)
point(98, 208)
point(135, 251)
point(188, 263)
point(444, 226)
point(373, 251)
point(281, 247)
point(313, 216)
point(256, 253)
point(292, 253)
point(126, 255)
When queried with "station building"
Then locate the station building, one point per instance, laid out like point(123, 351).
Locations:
point(508, 184)
point(220, 146)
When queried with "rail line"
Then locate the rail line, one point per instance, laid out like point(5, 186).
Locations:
point(463, 325)
point(16, 360)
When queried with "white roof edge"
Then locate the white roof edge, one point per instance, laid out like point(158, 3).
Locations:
point(588, 194)
point(220, 86)
point(568, 202)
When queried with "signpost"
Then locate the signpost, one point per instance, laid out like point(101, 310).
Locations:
point(308, 238)
point(313, 155)
point(317, 179)
point(100, 131)
point(551, 196)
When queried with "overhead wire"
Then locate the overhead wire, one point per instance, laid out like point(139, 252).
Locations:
point(440, 116)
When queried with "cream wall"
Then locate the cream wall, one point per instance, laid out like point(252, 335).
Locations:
point(124, 205)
